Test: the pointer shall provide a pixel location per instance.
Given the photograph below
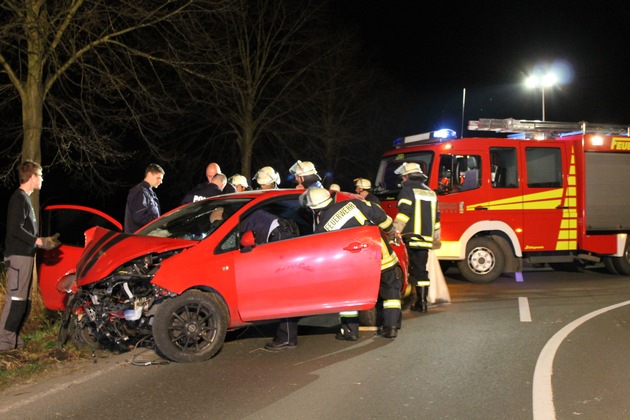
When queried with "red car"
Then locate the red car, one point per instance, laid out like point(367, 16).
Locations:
point(184, 279)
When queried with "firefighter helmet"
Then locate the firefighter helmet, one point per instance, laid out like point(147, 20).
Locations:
point(315, 198)
point(408, 168)
point(239, 180)
point(335, 187)
point(300, 168)
point(267, 175)
point(362, 183)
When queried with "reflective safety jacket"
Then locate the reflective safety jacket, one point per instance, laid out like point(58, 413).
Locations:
point(417, 211)
point(354, 213)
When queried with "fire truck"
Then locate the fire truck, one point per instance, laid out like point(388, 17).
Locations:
point(538, 192)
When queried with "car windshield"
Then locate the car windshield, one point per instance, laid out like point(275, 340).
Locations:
point(194, 221)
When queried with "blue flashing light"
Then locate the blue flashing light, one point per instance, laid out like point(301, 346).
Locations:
point(445, 133)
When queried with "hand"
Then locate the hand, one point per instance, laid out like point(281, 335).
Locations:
point(50, 242)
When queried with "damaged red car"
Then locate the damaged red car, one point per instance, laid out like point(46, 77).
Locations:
point(191, 275)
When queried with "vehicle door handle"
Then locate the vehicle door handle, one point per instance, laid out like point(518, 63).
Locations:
point(562, 207)
point(481, 208)
point(355, 247)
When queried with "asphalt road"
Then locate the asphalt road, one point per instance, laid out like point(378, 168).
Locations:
point(552, 346)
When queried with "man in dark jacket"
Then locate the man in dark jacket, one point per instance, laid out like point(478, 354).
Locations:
point(143, 205)
point(419, 222)
point(21, 243)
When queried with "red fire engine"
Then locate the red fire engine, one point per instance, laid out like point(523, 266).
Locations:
point(556, 193)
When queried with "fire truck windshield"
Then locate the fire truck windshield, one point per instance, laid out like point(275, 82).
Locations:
point(387, 181)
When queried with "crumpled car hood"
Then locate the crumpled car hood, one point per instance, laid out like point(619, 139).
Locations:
point(106, 250)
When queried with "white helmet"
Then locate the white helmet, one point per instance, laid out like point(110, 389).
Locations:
point(267, 175)
point(315, 198)
point(239, 180)
point(362, 183)
point(334, 187)
point(408, 168)
point(300, 168)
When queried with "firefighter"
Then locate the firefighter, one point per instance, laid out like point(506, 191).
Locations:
point(331, 216)
point(362, 187)
point(267, 178)
point(305, 175)
point(419, 222)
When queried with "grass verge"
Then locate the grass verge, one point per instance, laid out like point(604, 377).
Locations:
point(40, 354)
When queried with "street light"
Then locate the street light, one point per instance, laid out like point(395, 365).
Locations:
point(537, 81)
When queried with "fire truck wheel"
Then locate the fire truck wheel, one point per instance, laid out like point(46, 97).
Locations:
point(622, 264)
point(609, 263)
point(484, 261)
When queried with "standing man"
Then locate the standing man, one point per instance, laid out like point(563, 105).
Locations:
point(362, 187)
point(331, 216)
point(419, 222)
point(143, 205)
point(21, 243)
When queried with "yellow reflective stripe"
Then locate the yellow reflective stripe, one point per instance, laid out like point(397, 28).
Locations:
point(348, 314)
point(423, 283)
point(387, 259)
point(360, 218)
point(386, 224)
point(404, 201)
point(402, 218)
point(392, 304)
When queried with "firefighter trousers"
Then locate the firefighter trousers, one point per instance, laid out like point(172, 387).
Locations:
point(389, 294)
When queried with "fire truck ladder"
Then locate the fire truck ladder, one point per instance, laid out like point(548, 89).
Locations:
point(547, 128)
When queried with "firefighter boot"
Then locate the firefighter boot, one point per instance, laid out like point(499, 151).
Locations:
point(421, 300)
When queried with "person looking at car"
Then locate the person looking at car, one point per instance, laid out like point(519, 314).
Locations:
point(267, 178)
point(143, 205)
point(216, 184)
point(239, 182)
point(362, 187)
point(331, 216)
point(419, 222)
point(21, 243)
point(305, 175)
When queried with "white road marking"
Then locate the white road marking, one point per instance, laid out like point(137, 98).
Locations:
point(523, 310)
point(542, 392)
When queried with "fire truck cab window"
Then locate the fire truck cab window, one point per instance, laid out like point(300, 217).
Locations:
point(458, 173)
point(544, 167)
point(472, 173)
point(504, 170)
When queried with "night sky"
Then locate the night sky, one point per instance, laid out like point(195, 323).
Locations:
point(438, 49)
point(432, 51)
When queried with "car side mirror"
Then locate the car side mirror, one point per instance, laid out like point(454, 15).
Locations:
point(247, 240)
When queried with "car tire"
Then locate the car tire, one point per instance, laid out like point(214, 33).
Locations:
point(484, 261)
point(190, 327)
point(79, 334)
